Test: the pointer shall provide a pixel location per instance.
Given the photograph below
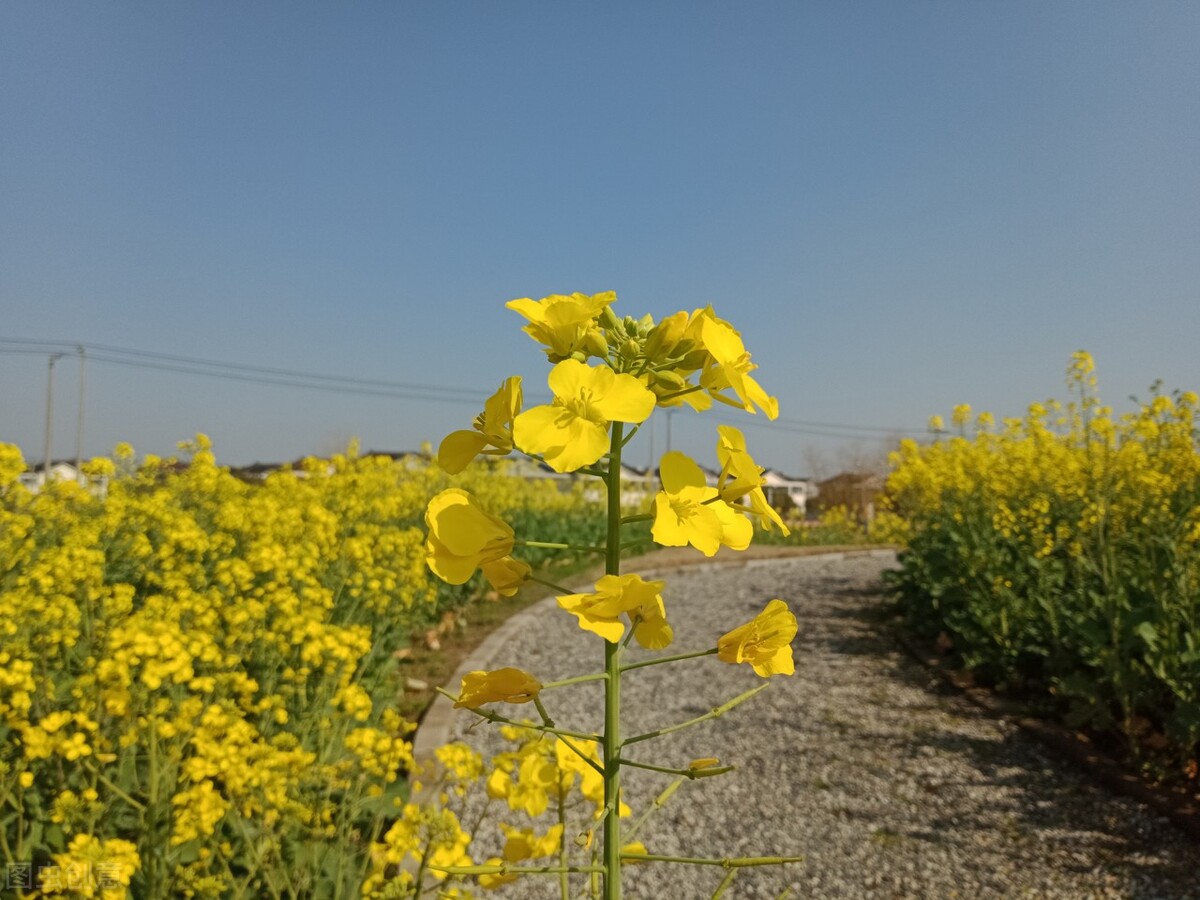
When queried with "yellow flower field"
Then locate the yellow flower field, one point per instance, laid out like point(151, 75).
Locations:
point(197, 674)
point(1061, 552)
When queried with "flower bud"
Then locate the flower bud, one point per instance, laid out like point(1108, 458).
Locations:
point(594, 343)
point(580, 355)
point(670, 380)
point(666, 336)
point(609, 319)
point(631, 348)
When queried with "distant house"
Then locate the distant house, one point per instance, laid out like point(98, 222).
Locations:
point(791, 496)
point(787, 494)
point(858, 492)
point(35, 478)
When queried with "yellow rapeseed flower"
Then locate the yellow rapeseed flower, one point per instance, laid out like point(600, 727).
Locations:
point(493, 428)
point(600, 612)
point(688, 511)
point(741, 477)
point(765, 642)
point(522, 843)
point(729, 366)
point(562, 323)
point(506, 575)
point(92, 867)
point(572, 432)
point(462, 537)
point(507, 685)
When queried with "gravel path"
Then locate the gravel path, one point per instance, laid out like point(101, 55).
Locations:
point(887, 785)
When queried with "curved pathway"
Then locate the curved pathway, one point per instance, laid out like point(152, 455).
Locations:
point(887, 785)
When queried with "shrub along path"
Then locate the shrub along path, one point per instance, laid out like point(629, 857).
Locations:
point(887, 784)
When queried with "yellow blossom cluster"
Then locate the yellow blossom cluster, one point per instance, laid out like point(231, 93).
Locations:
point(196, 670)
point(1063, 549)
point(91, 867)
point(608, 376)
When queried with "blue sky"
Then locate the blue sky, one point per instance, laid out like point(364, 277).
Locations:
point(901, 206)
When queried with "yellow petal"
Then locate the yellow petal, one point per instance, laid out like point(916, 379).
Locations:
point(721, 340)
point(506, 575)
point(506, 685)
point(654, 633)
point(626, 400)
point(569, 378)
point(446, 566)
point(458, 448)
point(465, 529)
point(667, 529)
point(585, 442)
point(540, 429)
point(611, 629)
point(677, 471)
point(736, 530)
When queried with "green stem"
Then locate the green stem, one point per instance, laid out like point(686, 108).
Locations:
point(578, 679)
point(546, 720)
point(659, 802)
point(741, 862)
point(553, 545)
point(637, 543)
point(674, 394)
point(557, 588)
point(725, 882)
point(640, 517)
point(116, 790)
point(667, 659)
point(685, 773)
point(711, 714)
point(505, 720)
point(512, 870)
point(587, 759)
point(421, 867)
point(564, 859)
point(612, 692)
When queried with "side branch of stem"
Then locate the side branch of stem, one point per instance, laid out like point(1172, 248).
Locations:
point(668, 659)
point(740, 862)
point(505, 720)
point(711, 714)
point(513, 870)
point(683, 773)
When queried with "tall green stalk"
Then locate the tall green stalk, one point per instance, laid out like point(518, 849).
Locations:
point(612, 686)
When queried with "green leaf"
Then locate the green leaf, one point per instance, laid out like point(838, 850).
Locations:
point(1147, 633)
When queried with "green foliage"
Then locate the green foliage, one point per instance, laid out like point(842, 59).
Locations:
point(1065, 557)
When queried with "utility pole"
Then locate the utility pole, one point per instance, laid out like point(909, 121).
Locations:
point(54, 357)
point(79, 421)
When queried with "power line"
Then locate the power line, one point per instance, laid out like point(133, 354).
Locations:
point(199, 366)
point(293, 378)
point(339, 384)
